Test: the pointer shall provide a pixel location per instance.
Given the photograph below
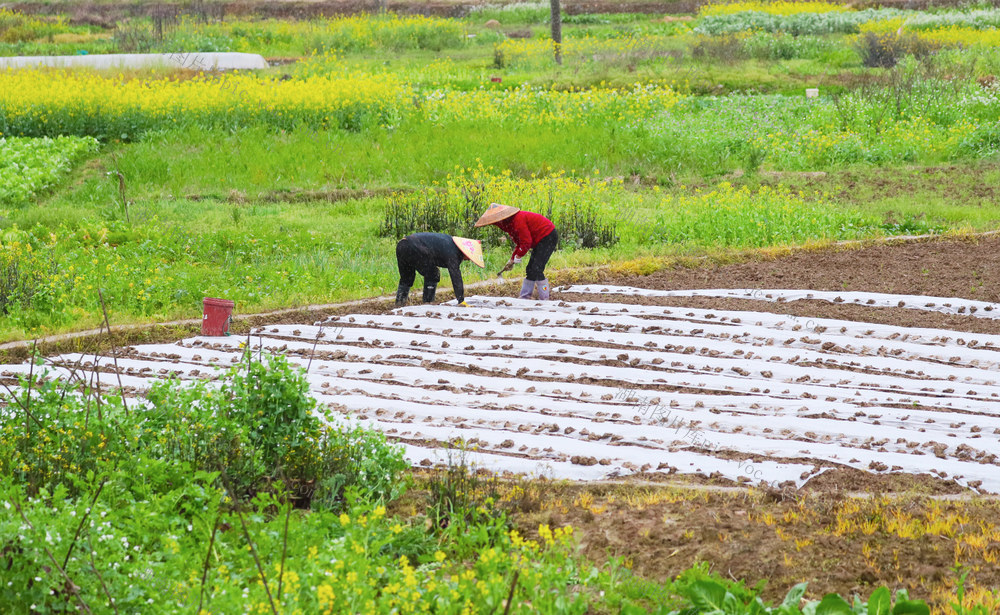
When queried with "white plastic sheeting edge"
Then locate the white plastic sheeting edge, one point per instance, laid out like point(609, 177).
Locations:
point(964, 307)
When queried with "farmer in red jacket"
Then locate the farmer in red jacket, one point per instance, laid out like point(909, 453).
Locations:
point(529, 232)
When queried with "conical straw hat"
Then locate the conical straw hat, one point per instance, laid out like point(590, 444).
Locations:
point(471, 248)
point(496, 213)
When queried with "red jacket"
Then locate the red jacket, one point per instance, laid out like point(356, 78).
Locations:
point(526, 229)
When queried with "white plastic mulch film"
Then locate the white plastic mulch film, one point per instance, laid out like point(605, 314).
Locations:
point(596, 390)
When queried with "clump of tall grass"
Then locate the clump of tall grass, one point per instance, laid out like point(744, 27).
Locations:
point(579, 207)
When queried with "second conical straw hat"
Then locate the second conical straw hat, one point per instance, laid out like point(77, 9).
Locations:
point(471, 248)
point(496, 213)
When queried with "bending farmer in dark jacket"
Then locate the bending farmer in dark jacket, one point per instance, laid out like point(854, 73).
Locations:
point(425, 253)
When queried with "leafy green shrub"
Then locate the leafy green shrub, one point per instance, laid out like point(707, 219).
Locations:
point(711, 596)
point(262, 424)
point(258, 427)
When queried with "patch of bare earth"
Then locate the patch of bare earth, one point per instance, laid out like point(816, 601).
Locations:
point(967, 269)
point(835, 542)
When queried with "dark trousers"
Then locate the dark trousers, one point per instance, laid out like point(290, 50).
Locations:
point(410, 264)
point(540, 254)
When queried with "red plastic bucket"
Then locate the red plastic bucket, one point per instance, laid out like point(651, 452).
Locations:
point(217, 315)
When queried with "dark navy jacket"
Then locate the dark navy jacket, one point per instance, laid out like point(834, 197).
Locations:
point(425, 250)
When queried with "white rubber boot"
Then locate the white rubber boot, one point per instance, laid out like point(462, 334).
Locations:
point(543, 289)
point(527, 287)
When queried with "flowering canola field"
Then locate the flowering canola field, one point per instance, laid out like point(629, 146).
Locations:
point(45, 102)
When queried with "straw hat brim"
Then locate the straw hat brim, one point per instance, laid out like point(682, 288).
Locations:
point(495, 214)
point(471, 248)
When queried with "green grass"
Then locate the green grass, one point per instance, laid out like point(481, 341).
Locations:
point(241, 241)
point(947, 196)
point(278, 210)
point(261, 162)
